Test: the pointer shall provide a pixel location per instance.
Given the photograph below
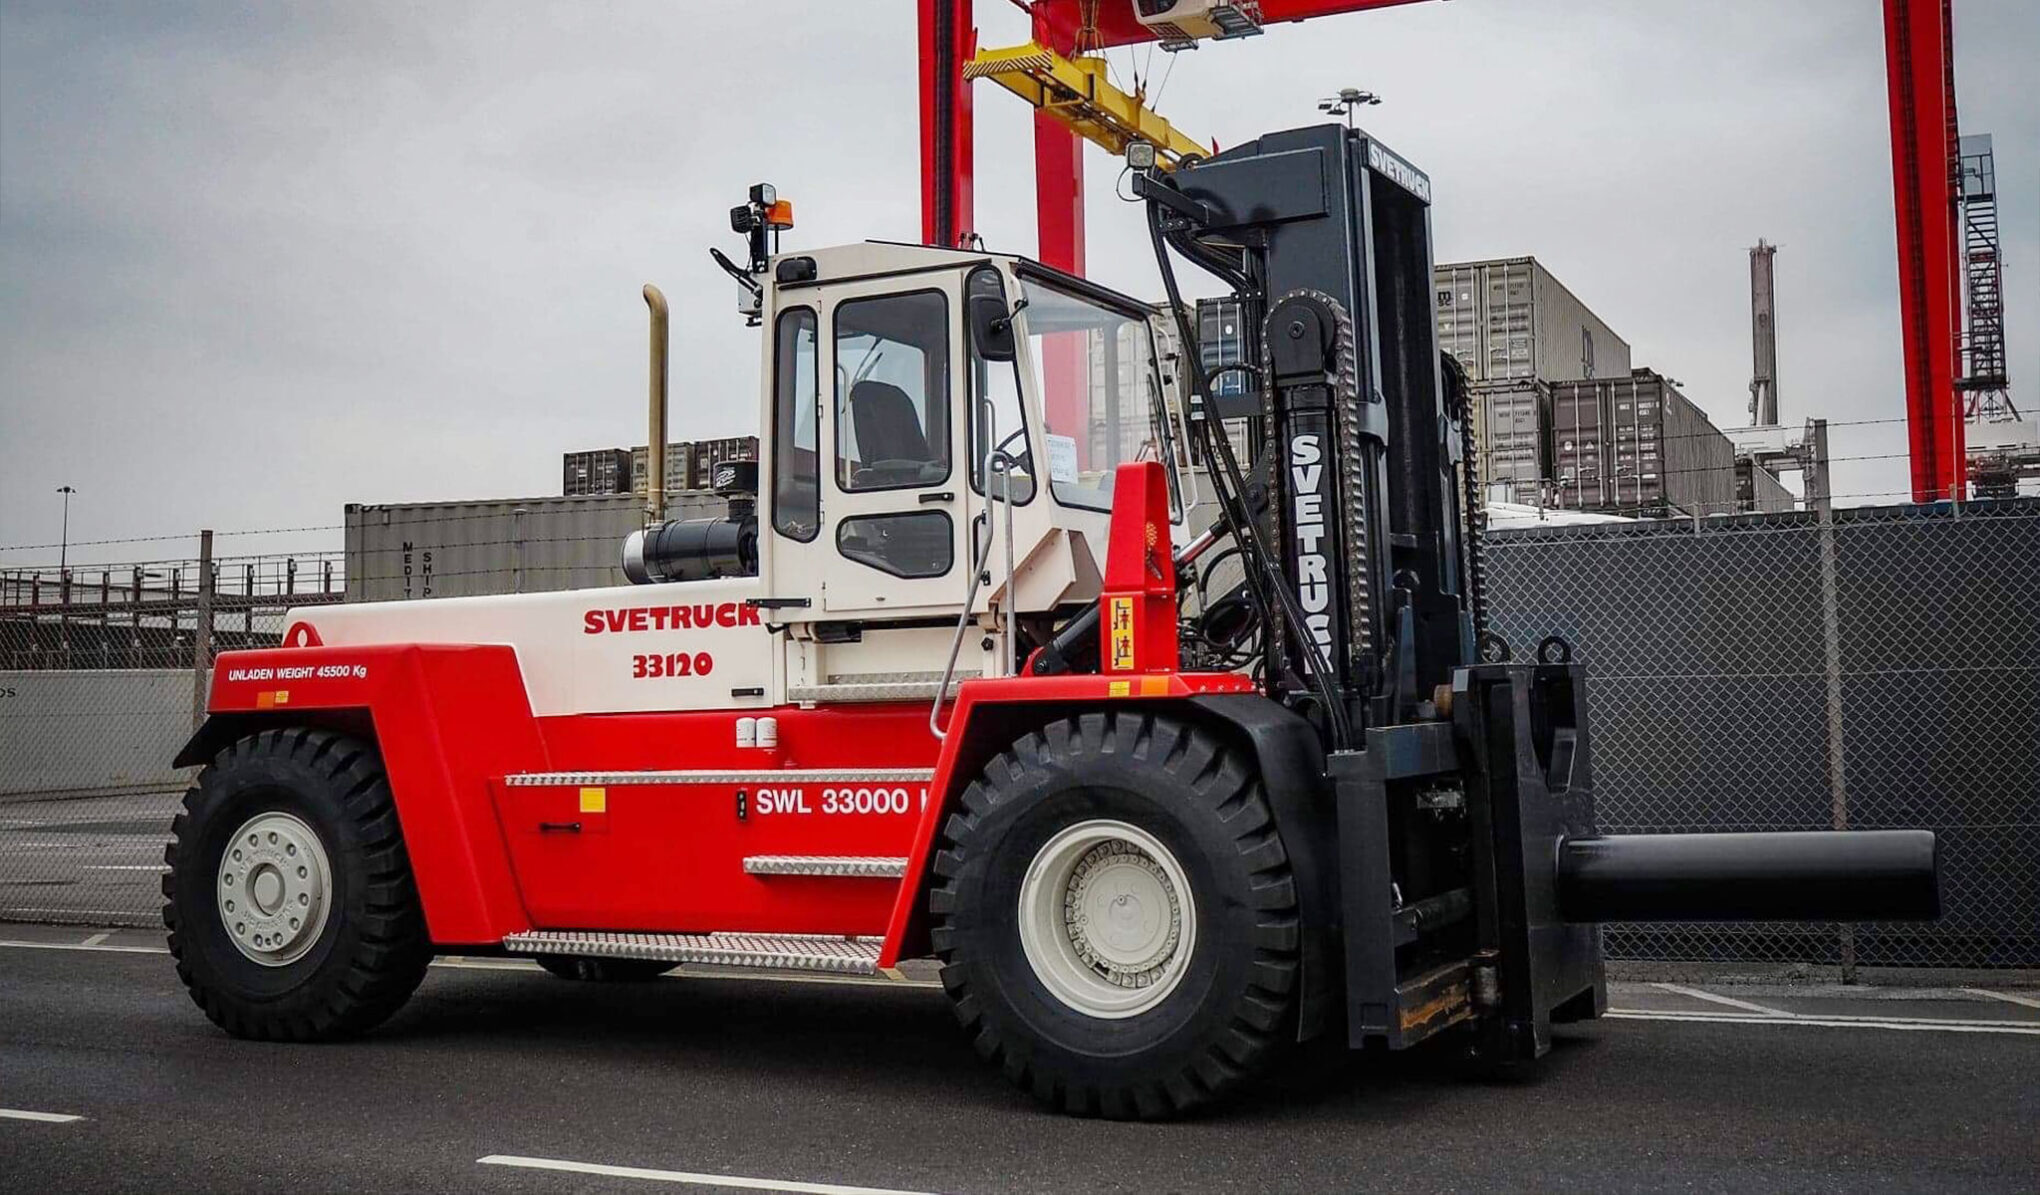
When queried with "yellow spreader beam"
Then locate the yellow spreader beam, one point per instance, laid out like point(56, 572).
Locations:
point(1076, 92)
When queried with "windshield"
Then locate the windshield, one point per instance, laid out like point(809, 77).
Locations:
point(1093, 365)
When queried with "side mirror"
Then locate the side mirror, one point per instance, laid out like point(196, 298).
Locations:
point(991, 327)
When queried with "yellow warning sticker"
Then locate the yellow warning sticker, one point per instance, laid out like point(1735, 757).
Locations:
point(594, 800)
point(1121, 610)
point(1119, 688)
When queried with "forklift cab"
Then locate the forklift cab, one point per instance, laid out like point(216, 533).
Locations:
point(930, 415)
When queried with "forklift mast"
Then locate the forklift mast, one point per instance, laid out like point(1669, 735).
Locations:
point(1359, 434)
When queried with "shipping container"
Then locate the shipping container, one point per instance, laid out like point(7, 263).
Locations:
point(1636, 445)
point(460, 549)
point(1510, 318)
point(1757, 489)
point(705, 455)
point(1512, 434)
point(596, 471)
point(679, 456)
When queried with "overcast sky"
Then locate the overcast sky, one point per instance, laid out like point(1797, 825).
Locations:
point(258, 261)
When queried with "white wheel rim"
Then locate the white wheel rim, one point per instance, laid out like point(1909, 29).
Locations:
point(1107, 920)
point(274, 889)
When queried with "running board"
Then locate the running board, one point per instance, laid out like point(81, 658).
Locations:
point(790, 952)
point(869, 692)
point(860, 867)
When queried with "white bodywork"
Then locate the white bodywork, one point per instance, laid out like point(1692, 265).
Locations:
point(848, 629)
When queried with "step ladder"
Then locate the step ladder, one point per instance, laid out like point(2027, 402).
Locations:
point(788, 952)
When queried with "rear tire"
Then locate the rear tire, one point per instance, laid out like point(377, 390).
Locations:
point(1116, 918)
point(602, 970)
point(290, 903)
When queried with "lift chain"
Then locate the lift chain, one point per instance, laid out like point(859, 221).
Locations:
point(1474, 533)
point(1346, 405)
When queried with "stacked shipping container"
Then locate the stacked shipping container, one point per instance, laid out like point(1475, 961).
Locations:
point(1512, 434)
point(1635, 445)
point(1510, 319)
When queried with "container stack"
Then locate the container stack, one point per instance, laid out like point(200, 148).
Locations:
point(1560, 415)
point(1637, 446)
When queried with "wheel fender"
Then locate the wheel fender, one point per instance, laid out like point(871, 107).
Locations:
point(1288, 754)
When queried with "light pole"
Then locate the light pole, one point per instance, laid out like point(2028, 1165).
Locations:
point(64, 542)
point(1348, 99)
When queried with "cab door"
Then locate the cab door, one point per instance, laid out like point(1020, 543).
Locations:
point(893, 540)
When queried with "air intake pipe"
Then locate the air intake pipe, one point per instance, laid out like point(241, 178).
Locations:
point(702, 549)
point(1818, 875)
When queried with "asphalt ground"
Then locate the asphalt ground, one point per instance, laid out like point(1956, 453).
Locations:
point(745, 1082)
point(86, 861)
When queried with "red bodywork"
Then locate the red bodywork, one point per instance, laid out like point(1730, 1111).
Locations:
point(452, 725)
point(516, 822)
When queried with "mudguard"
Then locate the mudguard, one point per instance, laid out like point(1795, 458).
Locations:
point(990, 714)
point(446, 719)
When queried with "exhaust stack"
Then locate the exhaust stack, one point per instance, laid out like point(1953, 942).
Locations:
point(655, 449)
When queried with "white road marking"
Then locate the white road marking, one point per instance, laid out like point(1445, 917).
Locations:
point(83, 946)
point(97, 939)
point(735, 1181)
point(126, 867)
point(45, 1117)
point(1916, 1024)
point(1697, 994)
point(2009, 998)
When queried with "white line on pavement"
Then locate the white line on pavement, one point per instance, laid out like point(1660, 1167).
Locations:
point(126, 867)
point(2009, 998)
point(1697, 994)
point(86, 947)
point(2014, 1028)
point(734, 1181)
point(97, 939)
point(45, 1117)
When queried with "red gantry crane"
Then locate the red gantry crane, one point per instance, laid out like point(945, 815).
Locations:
point(1074, 102)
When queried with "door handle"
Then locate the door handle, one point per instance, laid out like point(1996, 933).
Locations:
point(939, 496)
point(559, 827)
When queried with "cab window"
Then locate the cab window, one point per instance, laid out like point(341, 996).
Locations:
point(892, 391)
point(998, 382)
point(796, 407)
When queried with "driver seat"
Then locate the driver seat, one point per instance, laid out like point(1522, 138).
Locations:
point(888, 429)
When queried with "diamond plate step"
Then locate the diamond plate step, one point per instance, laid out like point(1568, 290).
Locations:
point(792, 952)
point(842, 866)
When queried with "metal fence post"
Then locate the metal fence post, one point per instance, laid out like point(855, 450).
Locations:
point(1831, 665)
point(202, 633)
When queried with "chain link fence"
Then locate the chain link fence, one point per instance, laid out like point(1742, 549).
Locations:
point(103, 675)
point(1876, 668)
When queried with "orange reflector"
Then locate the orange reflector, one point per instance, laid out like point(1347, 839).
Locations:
point(780, 214)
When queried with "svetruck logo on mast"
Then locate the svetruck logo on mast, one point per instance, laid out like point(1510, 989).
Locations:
point(1399, 172)
point(1313, 578)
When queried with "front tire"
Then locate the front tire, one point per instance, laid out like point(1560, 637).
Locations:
point(292, 912)
point(1116, 917)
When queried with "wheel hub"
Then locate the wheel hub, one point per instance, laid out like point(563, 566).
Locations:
point(1121, 913)
point(1106, 920)
point(274, 888)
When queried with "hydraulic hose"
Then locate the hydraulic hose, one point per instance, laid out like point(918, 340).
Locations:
point(1263, 578)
